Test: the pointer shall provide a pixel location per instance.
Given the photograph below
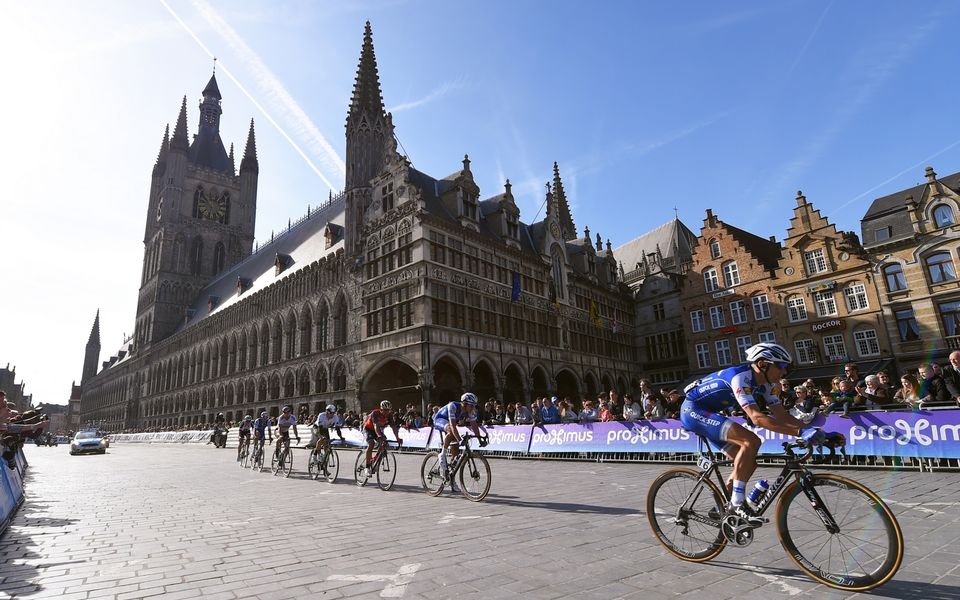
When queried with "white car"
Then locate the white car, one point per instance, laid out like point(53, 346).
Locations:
point(88, 440)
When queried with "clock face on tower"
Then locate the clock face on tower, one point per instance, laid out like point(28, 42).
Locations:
point(211, 207)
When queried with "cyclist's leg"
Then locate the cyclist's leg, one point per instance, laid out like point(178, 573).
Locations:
point(371, 439)
point(448, 445)
point(745, 458)
point(730, 437)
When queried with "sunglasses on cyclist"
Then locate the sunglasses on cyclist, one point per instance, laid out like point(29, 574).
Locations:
point(782, 365)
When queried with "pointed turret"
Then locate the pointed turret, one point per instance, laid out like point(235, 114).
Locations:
point(180, 141)
point(564, 216)
point(164, 147)
point(367, 97)
point(212, 89)
point(249, 162)
point(92, 354)
point(233, 164)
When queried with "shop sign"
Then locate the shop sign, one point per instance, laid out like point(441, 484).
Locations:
point(831, 324)
point(728, 330)
point(821, 287)
point(722, 293)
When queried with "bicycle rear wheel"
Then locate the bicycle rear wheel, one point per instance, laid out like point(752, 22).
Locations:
point(358, 475)
point(431, 475)
point(387, 470)
point(244, 455)
point(866, 551)
point(685, 515)
point(257, 462)
point(331, 466)
point(475, 478)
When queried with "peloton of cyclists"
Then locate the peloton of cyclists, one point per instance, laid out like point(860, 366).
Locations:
point(373, 428)
point(448, 418)
point(709, 396)
point(284, 423)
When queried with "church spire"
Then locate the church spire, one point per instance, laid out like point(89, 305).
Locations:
point(563, 213)
point(210, 110)
point(164, 145)
point(95, 331)
point(249, 162)
point(92, 354)
point(367, 97)
point(180, 141)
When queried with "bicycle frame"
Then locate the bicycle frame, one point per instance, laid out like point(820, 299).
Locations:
point(792, 469)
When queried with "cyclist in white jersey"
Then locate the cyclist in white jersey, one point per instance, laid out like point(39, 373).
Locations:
point(329, 419)
point(284, 423)
point(449, 417)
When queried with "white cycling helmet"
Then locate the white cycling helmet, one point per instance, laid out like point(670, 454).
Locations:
point(331, 408)
point(768, 351)
point(386, 405)
point(264, 415)
point(469, 399)
point(248, 418)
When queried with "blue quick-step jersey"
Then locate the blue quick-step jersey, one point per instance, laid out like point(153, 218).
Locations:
point(721, 390)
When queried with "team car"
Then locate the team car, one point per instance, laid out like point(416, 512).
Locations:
point(87, 441)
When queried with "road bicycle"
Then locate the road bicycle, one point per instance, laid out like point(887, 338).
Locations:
point(282, 463)
point(243, 452)
point(473, 469)
point(256, 457)
point(384, 466)
point(838, 531)
point(324, 462)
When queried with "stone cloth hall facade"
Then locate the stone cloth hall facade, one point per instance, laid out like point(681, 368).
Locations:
point(404, 287)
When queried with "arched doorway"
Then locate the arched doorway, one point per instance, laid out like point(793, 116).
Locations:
point(606, 384)
point(447, 381)
point(394, 381)
point(567, 386)
point(540, 386)
point(513, 386)
point(484, 384)
point(590, 382)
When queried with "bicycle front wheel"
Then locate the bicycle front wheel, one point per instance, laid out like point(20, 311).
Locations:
point(475, 477)
point(313, 466)
point(331, 466)
point(865, 552)
point(359, 477)
point(257, 460)
point(685, 515)
point(286, 466)
point(431, 475)
point(387, 470)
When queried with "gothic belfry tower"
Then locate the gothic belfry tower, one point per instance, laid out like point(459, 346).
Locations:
point(92, 354)
point(200, 218)
point(370, 141)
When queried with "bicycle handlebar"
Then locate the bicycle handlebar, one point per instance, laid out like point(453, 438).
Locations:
point(803, 445)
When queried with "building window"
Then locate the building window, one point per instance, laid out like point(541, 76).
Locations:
point(738, 312)
point(703, 356)
point(731, 275)
point(884, 233)
point(893, 274)
point(659, 312)
point(833, 345)
point(469, 207)
point(950, 313)
point(866, 342)
point(767, 336)
point(796, 309)
point(710, 280)
point(806, 351)
point(943, 216)
point(696, 321)
point(856, 295)
point(386, 193)
point(743, 342)
point(940, 267)
point(714, 249)
point(815, 261)
point(907, 325)
point(825, 303)
point(723, 353)
point(717, 318)
point(761, 307)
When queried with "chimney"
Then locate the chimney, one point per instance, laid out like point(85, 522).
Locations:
point(801, 199)
point(931, 175)
point(773, 239)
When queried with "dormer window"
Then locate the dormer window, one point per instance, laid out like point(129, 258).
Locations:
point(281, 262)
point(387, 198)
point(469, 207)
point(243, 284)
point(942, 216)
point(212, 302)
point(513, 227)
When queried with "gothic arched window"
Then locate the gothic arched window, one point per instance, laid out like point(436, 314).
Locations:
point(197, 197)
point(219, 257)
point(558, 272)
point(196, 256)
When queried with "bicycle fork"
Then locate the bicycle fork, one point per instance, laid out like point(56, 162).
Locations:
point(809, 490)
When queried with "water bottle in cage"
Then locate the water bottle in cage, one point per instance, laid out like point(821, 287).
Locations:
point(758, 493)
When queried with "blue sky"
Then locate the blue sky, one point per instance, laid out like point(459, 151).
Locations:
point(646, 106)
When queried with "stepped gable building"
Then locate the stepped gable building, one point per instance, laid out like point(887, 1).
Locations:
point(827, 301)
point(15, 391)
point(728, 295)
point(655, 265)
point(403, 287)
point(912, 239)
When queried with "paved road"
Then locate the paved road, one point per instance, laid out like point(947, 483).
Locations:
point(177, 521)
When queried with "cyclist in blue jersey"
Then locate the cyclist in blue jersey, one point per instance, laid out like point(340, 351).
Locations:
point(708, 397)
point(449, 417)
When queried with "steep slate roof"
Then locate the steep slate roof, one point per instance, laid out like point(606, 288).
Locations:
point(898, 200)
point(767, 252)
point(207, 150)
point(665, 235)
point(304, 243)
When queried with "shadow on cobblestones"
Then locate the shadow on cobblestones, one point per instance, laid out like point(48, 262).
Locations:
point(19, 563)
point(914, 589)
point(567, 507)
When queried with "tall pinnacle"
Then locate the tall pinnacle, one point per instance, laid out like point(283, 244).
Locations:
point(233, 164)
point(566, 219)
point(366, 88)
point(180, 141)
point(94, 339)
point(164, 145)
point(212, 89)
point(249, 162)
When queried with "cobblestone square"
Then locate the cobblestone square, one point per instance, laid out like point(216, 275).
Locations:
point(181, 521)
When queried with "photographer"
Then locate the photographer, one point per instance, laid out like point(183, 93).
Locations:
point(14, 428)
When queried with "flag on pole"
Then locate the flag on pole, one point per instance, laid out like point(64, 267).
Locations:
point(593, 314)
point(515, 294)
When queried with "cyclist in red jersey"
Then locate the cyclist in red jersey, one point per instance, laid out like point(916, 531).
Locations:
point(373, 427)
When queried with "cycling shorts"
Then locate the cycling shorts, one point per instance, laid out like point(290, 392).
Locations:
point(713, 426)
point(371, 434)
point(440, 424)
point(244, 434)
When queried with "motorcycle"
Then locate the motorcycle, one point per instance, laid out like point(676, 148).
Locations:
point(219, 437)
